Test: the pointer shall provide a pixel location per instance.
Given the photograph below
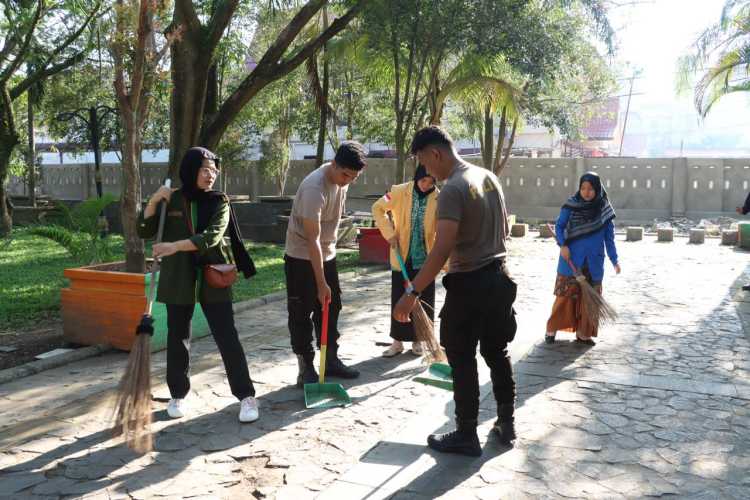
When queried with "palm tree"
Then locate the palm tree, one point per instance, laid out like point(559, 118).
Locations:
point(722, 55)
point(485, 87)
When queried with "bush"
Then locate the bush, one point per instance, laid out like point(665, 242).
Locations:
point(82, 231)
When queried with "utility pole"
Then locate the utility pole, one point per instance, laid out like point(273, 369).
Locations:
point(627, 112)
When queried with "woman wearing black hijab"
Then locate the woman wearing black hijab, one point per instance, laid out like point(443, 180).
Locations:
point(413, 208)
point(584, 229)
point(198, 220)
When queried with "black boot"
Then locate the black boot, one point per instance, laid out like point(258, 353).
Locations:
point(307, 373)
point(336, 368)
point(504, 426)
point(463, 440)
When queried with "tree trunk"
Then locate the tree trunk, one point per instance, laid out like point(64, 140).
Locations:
point(500, 140)
point(31, 156)
point(130, 199)
point(190, 72)
point(488, 134)
point(323, 127)
point(8, 140)
point(506, 155)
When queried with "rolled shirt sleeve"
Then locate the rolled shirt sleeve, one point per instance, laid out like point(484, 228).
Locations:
point(215, 231)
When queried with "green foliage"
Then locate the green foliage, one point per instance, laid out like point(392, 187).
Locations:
point(80, 231)
point(275, 156)
point(31, 270)
point(720, 59)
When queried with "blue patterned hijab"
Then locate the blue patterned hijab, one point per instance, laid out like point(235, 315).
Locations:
point(588, 216)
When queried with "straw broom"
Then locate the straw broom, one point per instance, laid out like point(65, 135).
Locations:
point(133, 407)
point(596, 309)
point(424, 328)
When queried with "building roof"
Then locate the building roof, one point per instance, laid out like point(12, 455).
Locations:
point(603, 122)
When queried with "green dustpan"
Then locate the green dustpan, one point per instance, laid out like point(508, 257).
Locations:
point(325, 396)
point(438, 375)
point(322, 395)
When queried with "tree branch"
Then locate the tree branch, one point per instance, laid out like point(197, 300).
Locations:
point(47, 72)
point(185, 11)
point(269, 69)
point(21, 55)
point(276, 51)
point(219, 21)
point(336, 26)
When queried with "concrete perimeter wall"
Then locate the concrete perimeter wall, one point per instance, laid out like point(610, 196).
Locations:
point(641, 189)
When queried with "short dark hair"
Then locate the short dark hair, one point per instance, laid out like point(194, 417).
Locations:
point(351, 155)
point(430, 136)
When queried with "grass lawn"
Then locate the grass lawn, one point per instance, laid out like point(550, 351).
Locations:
point(31, 273)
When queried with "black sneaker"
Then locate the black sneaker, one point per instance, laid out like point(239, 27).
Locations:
point(746, 288)
point(307, 373)
point(505, 431)
point(336, 368)
point(460, 442)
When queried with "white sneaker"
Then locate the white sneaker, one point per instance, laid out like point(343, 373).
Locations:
point(176, 408)
point(249, 409)
point(416, 348)
point(394, 349)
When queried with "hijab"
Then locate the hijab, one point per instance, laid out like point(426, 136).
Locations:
point(421, 173)
point(208, 202)
point(588, 216)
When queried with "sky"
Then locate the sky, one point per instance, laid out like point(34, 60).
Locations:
point(652, 35)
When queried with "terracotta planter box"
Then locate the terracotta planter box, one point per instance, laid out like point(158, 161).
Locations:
point(102, 306)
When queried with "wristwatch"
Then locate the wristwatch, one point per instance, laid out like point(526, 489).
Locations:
point(411, 291)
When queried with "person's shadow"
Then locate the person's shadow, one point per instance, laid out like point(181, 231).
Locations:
point(72, 471)
point(449, 471)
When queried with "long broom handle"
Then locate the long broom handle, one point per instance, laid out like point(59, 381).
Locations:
point(397, 251)
point(323, 344)
point(159, 234)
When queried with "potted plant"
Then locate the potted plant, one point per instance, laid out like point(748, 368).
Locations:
point(103, 303)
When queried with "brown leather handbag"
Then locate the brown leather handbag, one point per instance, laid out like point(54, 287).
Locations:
point(220, 275)
point(216, 275)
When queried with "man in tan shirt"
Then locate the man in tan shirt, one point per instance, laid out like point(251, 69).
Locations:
point(310, 260)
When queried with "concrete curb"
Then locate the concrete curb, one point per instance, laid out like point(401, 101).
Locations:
point(40, 365)
point(34, 367)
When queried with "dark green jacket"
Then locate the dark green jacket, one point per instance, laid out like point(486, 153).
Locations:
point(177, 278)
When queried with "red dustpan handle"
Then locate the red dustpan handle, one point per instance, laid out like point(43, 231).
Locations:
point(323, 344)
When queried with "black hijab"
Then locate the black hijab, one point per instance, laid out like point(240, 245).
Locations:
point(421, 173)
point(588, 216)
point(208, 203)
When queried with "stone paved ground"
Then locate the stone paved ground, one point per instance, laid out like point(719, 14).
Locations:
point(661, 406)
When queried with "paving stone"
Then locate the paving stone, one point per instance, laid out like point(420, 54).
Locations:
point(660, 398)
point(174, 442)
point(15, 482)
point(613, 420)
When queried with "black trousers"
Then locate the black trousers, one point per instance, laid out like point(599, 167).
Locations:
point(405, 331)
point(220, 318)
point(305, 312)
point(478, 309)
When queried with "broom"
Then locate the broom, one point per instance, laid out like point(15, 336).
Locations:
point(597, 310)
point(424, 328)
point(133, 408)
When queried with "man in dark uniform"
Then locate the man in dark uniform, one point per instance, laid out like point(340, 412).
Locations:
point(471, 230)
